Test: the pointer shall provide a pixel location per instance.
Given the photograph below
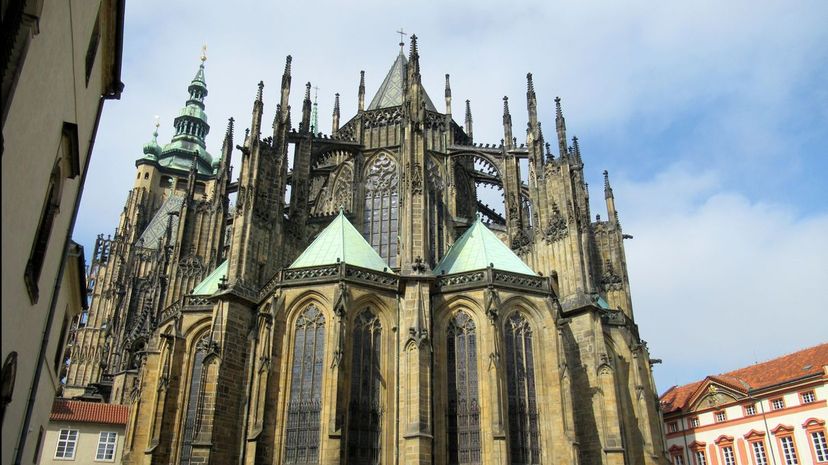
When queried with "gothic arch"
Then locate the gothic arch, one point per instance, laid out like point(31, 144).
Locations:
point(366, 392)
point(380, 226)
point(189, 421)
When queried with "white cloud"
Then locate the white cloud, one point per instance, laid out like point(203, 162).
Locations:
point(718, 281)
point(701, 110)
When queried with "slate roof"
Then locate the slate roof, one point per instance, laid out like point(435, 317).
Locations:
point(476, 249)
point(789, 367)
point(209, 285)
point(158, 225)
point(340, 242)
point(390, 93)
point(89, 412)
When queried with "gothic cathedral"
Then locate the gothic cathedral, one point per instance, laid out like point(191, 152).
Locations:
point(358, 303)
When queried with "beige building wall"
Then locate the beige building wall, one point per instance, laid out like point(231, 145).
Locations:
point(86, 447)
point(65, 61)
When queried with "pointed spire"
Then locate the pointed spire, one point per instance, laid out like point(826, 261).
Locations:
point(306, 110)
point(314, 113)
point(228, 134)
point(468, 127)
point(285, 90)
point(612, 214)
point(362, 91)
point(414, 56)
point(507, 123)
point(607, 187)
point(448, 97)
point(191, 123)
point(560, 125)
point(258, 111)
point(151, 149)
point(531, 102)
point(335, 126)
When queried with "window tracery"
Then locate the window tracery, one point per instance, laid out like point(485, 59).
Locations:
point(463, 403)
point(194, 399)
point(365, 406)
point(524, 435)
point(380, 226)
point(305, 404)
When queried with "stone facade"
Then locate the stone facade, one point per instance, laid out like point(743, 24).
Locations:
point(261, 368)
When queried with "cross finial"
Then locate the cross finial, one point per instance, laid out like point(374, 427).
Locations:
point(402, 39)
point(204, 53)
point(315, 92)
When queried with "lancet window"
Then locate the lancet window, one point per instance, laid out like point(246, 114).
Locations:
point(436, 211)
point(365, 407)
point(463, 403)
point(524, 436)
point(380, 226)
point(194, 399)
point(305, 404)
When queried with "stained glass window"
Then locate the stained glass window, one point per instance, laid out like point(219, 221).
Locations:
point(524, 436)
point(463, 403)
point(380, 225)
point(365, 407)
point(193, 400)
point(303, 415)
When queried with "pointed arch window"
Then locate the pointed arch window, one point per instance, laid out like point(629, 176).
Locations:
point(365, 406)
point(524, 436)
point(435, 210)
point(463, 403)
point(380, 225)
point(194, 399)
point(305, 405)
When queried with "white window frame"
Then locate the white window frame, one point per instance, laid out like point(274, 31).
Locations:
point(678, 459)
point(66, 437)
point(759, 453)
point(721, 416)
point(808, 397)
point(701, 458)
point(728, 457)
point(788, 450)
point(106, 439)
point(774, 401)
point(750, 410)
point(820, 447)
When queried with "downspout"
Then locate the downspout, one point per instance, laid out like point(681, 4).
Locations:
point(765, 421)
point(397, 389)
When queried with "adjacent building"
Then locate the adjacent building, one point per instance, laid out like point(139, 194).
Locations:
point(83, 433)
point(61, 61)
point(770, 413)
point(358, 302)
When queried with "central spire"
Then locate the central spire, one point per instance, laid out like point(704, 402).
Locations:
point(390, 93)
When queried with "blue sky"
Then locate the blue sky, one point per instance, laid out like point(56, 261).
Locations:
point(711, 117)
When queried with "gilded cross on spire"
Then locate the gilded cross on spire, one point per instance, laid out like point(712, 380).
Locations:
point(204, 53)
point(402, 39)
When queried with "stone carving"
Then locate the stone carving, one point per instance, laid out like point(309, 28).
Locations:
point(557, 228)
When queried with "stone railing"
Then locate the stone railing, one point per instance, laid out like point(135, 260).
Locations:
point(491, 276)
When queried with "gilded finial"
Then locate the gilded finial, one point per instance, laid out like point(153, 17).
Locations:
point(203, 53)
point(402, 39)
point(157, 123)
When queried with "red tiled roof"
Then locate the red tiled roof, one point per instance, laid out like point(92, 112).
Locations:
point(761, 375)
point(89, 412)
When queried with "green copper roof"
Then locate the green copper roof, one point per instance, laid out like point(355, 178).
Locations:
point(340, 242)
point(476, 249)
point(390, 93)
point(209, 285)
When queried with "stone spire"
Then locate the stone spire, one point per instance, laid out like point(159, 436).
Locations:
point(315, 112)
point(362, 91)
point(258, 110)
point(448, 98)
point(283, 103)
point(531, 103)
point(560, 125)
point(468, 127)
point(335, 126)
point(306, 110)
point(507, 124)
point(612, 214)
